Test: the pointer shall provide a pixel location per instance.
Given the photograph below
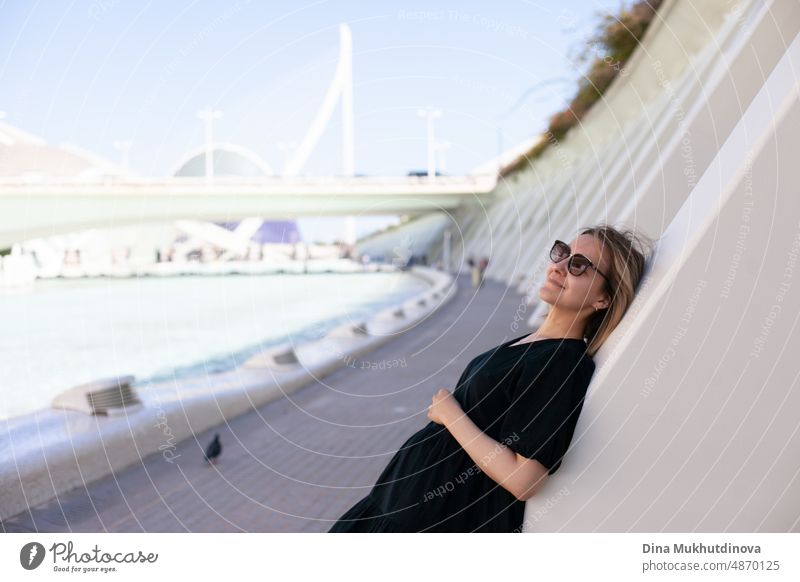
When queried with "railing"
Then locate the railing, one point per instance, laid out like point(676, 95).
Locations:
point(478, 182)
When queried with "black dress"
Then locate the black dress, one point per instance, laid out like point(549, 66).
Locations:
point(527, 397)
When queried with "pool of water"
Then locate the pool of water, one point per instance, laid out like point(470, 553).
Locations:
point(65, 332)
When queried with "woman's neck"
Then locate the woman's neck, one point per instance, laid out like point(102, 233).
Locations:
point(557, 325)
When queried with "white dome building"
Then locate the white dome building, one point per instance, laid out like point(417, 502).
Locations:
point(228, 160)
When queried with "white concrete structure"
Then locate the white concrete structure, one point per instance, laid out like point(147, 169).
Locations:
point(30, 209)
point(690, 421)
point(227, 159)
point(27, 157)
point(340, 87)
point(419, 234)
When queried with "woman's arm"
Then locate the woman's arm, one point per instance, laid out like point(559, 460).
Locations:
point(520, 476)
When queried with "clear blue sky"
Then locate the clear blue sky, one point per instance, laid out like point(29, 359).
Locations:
point(92, 72)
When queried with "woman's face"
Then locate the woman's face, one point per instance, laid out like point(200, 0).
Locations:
point(584, 292)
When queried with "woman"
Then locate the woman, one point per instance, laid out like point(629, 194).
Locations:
point(492, 443)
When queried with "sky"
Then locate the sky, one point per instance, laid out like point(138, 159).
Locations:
point(93, 72)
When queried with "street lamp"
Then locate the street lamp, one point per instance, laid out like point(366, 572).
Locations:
point(208, 115)
point(430, 113)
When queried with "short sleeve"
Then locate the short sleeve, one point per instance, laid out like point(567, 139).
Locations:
point(545, 402)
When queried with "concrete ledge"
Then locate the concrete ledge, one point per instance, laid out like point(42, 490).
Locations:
point(51, 451)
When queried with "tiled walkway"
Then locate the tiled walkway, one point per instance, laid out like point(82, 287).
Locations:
point(298, 463)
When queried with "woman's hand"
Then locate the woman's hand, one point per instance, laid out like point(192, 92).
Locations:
point(444, 407)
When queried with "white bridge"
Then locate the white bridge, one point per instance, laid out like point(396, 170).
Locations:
point(36, 209)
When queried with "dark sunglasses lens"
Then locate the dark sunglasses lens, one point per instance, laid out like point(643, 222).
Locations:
point(559, 252)
point(578, 265)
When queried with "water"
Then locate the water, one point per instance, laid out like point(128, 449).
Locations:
point(66, 332)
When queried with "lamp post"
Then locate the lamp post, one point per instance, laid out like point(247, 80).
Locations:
point(208, 115)
point(430, 113)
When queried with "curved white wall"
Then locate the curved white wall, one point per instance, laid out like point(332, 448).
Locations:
point(690, 421)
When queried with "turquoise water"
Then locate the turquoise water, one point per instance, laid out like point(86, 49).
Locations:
point(66, 332)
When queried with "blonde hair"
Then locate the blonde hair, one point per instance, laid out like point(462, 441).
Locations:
point(629, 252)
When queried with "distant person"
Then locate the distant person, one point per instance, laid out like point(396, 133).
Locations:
point(484, 262)
point(515, 406)
point(475, 272)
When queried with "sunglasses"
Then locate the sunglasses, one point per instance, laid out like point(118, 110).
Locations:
point(577, 264)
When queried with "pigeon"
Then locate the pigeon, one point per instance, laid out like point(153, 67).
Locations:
point(213, 450)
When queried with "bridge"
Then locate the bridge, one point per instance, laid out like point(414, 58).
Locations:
point(32, 209)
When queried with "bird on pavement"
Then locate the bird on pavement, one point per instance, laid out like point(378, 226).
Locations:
point(213, 450)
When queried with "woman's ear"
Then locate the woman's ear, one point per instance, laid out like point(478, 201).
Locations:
point(603, 302)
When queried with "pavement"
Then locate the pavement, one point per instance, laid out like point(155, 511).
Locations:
point(296, 464)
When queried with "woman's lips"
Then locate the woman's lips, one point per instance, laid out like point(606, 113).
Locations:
point(556, 283)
